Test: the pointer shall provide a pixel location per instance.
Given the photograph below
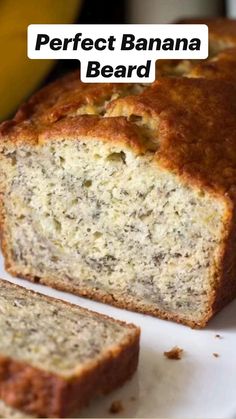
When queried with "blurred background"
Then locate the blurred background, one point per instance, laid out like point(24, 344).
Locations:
point(20, 77)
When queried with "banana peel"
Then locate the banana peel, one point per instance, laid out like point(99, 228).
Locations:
point(20, 76)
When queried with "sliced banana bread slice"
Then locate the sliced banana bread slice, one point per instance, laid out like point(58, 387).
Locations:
point(54, 356)
point(136, 207)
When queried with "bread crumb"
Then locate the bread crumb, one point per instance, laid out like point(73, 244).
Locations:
point(216, 355)
point(175, 353)
point(218, 336)
point(116, 407)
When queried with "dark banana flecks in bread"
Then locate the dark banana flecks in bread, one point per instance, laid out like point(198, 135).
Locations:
point(126, 193)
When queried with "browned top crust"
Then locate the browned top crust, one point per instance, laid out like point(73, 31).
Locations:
point(221, 30)
point(196, 127)
point(62, 99)
point(173, 68)
point(220, 67)
point(189, 122)
point(116, 130)
point(68, 96)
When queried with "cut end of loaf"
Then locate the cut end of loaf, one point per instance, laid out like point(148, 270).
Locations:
point(99, 220)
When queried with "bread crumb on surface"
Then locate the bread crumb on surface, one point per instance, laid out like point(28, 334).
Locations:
point(116, 407)
point(175, 353)
point(216, 355)
point(218, 336)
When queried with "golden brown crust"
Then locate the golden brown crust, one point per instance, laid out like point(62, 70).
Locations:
point(174, 354)
point(196, 134)
point(49, 395)
point(65, 97)
point(222, 35)
point(116, 407)
point(68, 305)
point(225, 285)
point(117, 130)
point(196, 139)
point(196, 127)
point(222, 32)
point(123, 301)
point(221, 67)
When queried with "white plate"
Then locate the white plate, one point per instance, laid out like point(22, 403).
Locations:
point(197, 386)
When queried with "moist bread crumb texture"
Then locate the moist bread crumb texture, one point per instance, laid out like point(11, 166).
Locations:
point(126, 194)
point(55, 356)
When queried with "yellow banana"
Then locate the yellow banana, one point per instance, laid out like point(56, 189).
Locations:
point(19, 76)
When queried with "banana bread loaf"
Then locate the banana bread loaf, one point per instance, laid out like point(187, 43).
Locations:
point(126, 193)
point(7, 412)
point(54, 356)
point(222, 37)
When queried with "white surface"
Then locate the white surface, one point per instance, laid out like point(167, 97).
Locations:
point(197, 386)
